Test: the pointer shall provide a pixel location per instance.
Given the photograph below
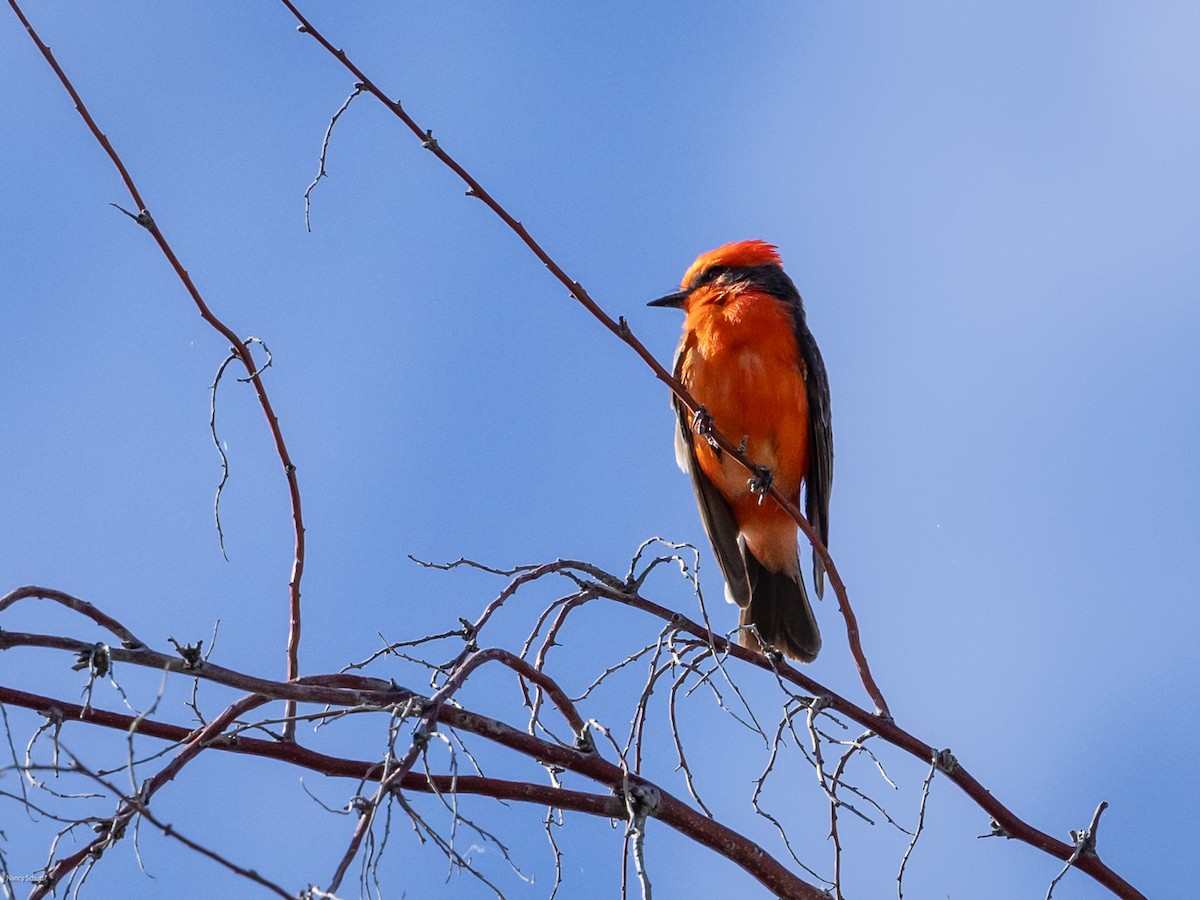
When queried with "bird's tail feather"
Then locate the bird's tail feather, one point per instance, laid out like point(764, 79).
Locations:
point(780, 612)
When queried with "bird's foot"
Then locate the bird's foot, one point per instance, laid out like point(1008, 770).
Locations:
point(760, 482)
point(702, 424)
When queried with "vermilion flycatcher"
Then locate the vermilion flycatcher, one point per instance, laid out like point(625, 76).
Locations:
point(748, 358)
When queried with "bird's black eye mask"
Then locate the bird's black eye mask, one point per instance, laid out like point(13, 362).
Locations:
point(770, 278)
point(709, 276)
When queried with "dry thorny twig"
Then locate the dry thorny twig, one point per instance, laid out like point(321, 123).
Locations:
point(684, 657)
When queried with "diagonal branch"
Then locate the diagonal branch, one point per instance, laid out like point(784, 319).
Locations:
point(620, 328)
point(128, 639)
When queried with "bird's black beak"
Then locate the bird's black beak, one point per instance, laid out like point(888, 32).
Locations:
point(673, 301)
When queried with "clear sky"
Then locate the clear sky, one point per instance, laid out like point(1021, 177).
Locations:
point(990, 209)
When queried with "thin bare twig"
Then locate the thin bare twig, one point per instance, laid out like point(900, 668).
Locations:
point(321, 173)
point(940, 759)
point(147, 221)
point(1085, 843)
point(356, 690)
point(212, 428)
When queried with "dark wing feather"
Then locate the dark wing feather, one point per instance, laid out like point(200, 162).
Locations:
point(715, 511)
point(819, 480)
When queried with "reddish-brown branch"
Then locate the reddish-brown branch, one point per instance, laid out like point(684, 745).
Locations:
point(609, 807)
point(239, 346)
point(348, 690)
point(750, 856)
point(354, 691)
point(128, 639)
point(620, 328)
point(528, 672)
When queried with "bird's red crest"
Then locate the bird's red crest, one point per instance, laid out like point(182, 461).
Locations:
point(735, 255)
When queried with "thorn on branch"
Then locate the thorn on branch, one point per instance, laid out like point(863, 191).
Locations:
point(192, 654)
point(819, 703)
point(420, 737)
point(1085, 845)
point(258, 371)
point(469, 633)
point(998, 830)
point(645, 800)
point(584, 742)
point(97, 659)
point(945, 760)
point(143, 218)
point(113, 829)
point(1086, 839)
point(641, 800)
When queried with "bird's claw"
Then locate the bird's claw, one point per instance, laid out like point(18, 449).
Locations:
point(702, 424)
point(760, 482)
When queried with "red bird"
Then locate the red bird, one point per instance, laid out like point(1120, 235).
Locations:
point(748, 358)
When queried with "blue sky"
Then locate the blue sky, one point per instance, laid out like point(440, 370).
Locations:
point(991, 211)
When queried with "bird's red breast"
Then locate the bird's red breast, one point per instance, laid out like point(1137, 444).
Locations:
point(740, 359)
